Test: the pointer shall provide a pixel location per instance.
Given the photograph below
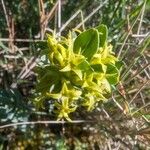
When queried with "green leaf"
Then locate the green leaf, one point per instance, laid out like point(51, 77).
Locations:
point(106, 86)
point(55, 96)
point(48, 78)
point(61, 144)
point(112, 74)
point(98, 68)
point(103, 34)
point(78, 73)
point(84, 65)
point(87, 43)
point(109, 58)
point(66, 68)
point(119, 64)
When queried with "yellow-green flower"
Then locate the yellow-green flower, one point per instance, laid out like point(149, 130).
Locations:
point(70, 93)
point(89, 101)
point(64, 109)
point(72, 63)
point(107, 55)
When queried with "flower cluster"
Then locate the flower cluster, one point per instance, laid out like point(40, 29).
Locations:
point(80, 71)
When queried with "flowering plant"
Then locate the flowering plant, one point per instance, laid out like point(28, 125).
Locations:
point(79, 72)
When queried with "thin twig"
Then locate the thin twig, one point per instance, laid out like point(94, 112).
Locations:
point(69, 20)
point(145, 71)
point(50, 13)
point(91, 14)
point(32, 65)
point(143, 85)
point(142, 97)
point(119, 106)
point(141, 70)
point(129, 32)
point(108, 116)
point(141, 50)
point(10, 24)
point(145, 59)
point(26, 70)
point(44, 122)
point(141, 108)
point(140, 35)
point(20, 40)
point(44, 18)
point(59, 18)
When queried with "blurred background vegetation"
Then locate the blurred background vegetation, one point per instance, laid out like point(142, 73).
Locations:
point(121, 123)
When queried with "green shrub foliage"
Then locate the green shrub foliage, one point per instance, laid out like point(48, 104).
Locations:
point(79, 72)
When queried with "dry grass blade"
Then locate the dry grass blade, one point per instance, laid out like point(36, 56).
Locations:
point(70, 19)
point(141, 19)
point(143, 47)
point(25, 70)
point(44, 19)
point(119, 106)
point(140, 71)
point(91, 14)
point(127, 36)
point(140, 35)
point(5, 12)
point(10, 24)
point(140, 108)
point(146, 70)
point(139, 90)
